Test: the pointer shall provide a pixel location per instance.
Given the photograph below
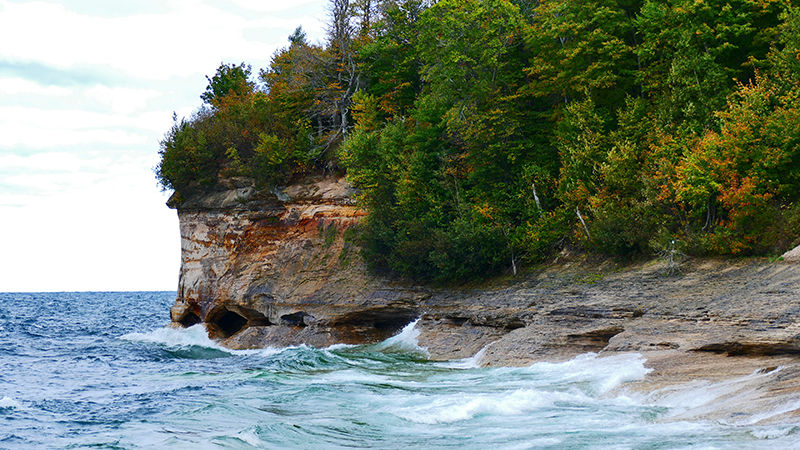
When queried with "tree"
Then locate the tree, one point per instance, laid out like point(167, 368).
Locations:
point(487, 133)
point(298, 37)
point(230, 80)
point(344, 75)
point(389, 59)
point(579, 51)
point(297, 83)
point(745, 178)
point(692, 52)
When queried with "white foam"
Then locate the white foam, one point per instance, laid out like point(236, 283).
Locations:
point(603, 373)
point(250, 437)
point(779, 409)
point(336, 347)
point(405, 341)
point(351, 377)
point(456, 408)
point(700, 396)
point(9, 403)
point(196, 335)
point(473, 362)
point(535, 443)
point(772, 433)
point(702, 399)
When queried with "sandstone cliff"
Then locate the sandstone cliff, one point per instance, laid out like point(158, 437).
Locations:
point(277, 268)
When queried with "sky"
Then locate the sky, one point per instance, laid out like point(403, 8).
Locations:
point(87, 90)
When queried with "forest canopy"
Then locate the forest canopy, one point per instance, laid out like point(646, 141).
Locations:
point(485, 134)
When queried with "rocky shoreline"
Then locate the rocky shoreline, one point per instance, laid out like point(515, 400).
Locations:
point(277, 268)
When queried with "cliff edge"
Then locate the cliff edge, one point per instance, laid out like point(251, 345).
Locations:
point(277, 267)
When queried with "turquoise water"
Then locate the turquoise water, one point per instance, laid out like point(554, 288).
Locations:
point(99, 371)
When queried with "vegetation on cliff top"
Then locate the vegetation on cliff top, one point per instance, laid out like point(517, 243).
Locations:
point(486, 133)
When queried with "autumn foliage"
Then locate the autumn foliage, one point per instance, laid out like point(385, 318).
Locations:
point(487, 134)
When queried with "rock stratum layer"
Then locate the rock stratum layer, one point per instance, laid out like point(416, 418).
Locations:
point(278, 268)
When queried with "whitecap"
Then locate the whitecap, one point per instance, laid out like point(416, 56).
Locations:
point(739, 401)
point(403, 342)
point(473, 362)
point(196, 335)
point(351, 377)
point(9, 403)
point(250, 437)
point(336, 347)
point(603, 373)
point(772, 432)
point(775, 410)
point(454, 408)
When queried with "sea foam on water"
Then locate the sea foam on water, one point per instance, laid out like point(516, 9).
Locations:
point(403, 342)
point(196, 335)
point(8, 403)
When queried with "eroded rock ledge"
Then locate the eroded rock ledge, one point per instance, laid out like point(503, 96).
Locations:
point(276, 267)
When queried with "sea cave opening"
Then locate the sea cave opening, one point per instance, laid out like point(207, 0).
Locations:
point(230, 323)
point(189, 319)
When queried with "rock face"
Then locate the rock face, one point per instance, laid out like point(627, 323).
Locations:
point(278, 268)
point(792, 255)
point(275, 268)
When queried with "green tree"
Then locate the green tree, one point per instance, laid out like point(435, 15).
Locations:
point(389, 58)
point(186, 160)
point(692, 52)
point(579, 51)
point(230, 80)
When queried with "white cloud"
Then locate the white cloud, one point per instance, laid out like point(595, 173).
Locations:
point(273, 6)
point(80, 205)
point(53, 161)
point(122, 100)
point(13, 134)
point(40, 128)
point(57, 174)
point(17, 86)
point(93, 231)
point(54, 182)
point(102, 238)
point(189, 39)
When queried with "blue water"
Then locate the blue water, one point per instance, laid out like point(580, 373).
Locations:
point(99, 371)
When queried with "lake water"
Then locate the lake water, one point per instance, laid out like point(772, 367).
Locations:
point(99, 371)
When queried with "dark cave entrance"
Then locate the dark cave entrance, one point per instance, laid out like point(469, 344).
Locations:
point(229, 323)
point(226, 321)
point(189, 320)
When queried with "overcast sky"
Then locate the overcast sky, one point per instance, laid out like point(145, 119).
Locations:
point(87, 89)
